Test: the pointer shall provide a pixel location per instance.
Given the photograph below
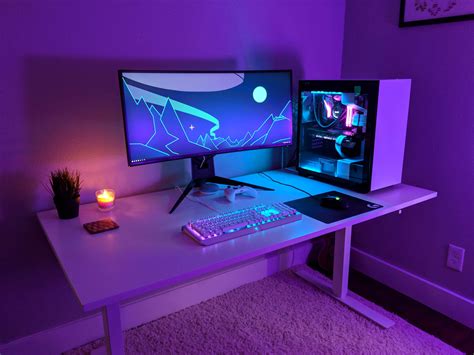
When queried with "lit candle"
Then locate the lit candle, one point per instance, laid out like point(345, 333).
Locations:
point(105, 199)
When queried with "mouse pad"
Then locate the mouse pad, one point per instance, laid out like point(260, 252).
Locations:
point(311, 207)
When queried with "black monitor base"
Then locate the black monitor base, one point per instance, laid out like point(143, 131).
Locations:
point(203, 172)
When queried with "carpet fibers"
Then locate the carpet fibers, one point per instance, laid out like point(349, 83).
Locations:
point(280, 314)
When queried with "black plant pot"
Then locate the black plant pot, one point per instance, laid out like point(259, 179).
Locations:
point(67, 208)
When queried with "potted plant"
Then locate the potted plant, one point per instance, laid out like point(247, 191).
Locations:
point(65, 186)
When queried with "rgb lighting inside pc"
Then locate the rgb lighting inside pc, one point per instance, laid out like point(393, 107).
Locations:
point(333, 133)
point(173, 115)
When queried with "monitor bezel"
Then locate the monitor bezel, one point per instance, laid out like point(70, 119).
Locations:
point(372, 89)
point(187, 156)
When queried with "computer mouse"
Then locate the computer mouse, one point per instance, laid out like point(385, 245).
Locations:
point(334, 202)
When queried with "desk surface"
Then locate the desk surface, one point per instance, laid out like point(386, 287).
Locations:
point(149, 252)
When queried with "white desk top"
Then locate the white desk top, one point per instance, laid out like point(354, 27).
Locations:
point(148, 252)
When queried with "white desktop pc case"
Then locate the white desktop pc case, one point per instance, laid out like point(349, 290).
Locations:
point(352, 133)
point(390, 133)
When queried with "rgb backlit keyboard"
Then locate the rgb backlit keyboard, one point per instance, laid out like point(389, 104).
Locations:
point(229, 225)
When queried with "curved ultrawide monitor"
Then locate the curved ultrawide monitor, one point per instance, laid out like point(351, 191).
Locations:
point(175, 115)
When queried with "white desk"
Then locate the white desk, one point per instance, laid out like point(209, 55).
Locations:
point(148, 252)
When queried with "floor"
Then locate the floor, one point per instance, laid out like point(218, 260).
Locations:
point(279, 314)
point(451, 332)
point(415, 313)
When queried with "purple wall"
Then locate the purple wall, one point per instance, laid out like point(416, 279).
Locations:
point(439, 150)
point(59, 105)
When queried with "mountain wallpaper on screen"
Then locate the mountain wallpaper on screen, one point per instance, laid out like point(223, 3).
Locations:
point(170, 115)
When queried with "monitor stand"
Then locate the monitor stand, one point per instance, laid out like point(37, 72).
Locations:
point(203, 173)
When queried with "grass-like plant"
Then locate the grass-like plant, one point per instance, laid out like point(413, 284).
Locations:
point(65, 184)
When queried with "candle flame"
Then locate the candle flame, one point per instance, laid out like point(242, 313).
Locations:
point(105, 196)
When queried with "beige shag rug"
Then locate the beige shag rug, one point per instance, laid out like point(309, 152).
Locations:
point(280, 314)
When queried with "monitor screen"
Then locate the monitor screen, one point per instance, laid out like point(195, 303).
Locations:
point(174, 115)
point(335, 130)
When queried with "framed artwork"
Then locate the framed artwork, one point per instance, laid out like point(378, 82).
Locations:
point(425, 12)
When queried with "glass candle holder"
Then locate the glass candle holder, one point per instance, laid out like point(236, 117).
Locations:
point(105, 199)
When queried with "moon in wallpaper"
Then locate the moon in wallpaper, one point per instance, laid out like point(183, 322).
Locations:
point(259, 94)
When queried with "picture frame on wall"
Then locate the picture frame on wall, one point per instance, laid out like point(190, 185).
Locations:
point(426, 12)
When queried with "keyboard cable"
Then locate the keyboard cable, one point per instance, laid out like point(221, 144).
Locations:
point(197, 201)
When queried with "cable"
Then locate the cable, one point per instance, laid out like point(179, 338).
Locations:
point(202, 162)
point(197, 201)
point(282, 183)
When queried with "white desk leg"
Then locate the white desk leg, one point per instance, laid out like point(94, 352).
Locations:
point(342, 254)
point(113, 329)
point(338, 287)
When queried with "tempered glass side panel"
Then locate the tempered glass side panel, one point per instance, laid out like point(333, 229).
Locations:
point(336, 130)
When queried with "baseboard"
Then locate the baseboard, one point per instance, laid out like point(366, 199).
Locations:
point(59, 339)
point(447, 302)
